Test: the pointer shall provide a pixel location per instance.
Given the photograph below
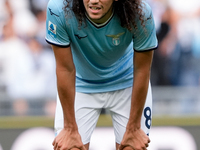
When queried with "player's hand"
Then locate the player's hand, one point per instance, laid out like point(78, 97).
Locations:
point(68, 139)
point(134, 140)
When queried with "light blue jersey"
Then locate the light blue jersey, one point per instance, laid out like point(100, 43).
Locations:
point(103, 54)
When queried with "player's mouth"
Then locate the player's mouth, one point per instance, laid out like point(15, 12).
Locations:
point(94, 9)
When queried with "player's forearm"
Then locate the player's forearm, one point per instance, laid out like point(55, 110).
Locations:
point(66, 91)
point(139, 93)
point(142, 67)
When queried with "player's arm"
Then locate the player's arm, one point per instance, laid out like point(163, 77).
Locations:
point(65, 71)
point(134, 135)
point(142, 67)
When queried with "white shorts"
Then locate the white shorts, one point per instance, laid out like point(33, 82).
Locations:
point(88, 108)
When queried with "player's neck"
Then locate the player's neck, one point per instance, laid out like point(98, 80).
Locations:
point(100, 23)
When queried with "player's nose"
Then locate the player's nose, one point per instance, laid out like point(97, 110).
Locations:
point(94, 1)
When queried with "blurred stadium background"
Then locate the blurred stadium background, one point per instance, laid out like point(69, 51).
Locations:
point(28, 82)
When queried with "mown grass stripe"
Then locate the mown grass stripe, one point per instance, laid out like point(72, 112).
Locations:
point(104, 120)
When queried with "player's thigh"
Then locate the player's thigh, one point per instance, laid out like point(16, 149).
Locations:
point(120, 113)
point(87, 114)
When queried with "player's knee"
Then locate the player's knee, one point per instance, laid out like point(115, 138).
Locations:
point(128, 148)
point(87, 146)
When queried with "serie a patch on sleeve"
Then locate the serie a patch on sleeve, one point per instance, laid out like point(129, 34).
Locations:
point(52, 29)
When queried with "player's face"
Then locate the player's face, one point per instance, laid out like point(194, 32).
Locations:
point(99, 10)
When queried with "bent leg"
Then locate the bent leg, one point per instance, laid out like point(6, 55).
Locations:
point(86, 115)
point(120, 115)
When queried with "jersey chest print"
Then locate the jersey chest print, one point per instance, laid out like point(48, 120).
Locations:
point(116, 38)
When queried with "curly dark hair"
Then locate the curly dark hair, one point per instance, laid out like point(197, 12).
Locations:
point(127, 10)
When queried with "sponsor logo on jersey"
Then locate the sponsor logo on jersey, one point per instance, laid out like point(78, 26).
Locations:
point(80, 37)
point(52, 13)
point(116, 38)
point(149, 18)
point(52, 29)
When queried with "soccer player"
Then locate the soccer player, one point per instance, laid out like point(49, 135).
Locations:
point(103, 51)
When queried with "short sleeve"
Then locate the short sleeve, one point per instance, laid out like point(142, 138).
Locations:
point(56, 33)
point(144, 37)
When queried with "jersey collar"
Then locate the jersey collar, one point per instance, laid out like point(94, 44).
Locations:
point(102, 24)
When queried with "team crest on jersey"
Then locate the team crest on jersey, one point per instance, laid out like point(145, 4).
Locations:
point(52, 29)
point(116, 38)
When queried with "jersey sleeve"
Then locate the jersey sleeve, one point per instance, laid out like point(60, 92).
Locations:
point(144, 37)
point(56, 32)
